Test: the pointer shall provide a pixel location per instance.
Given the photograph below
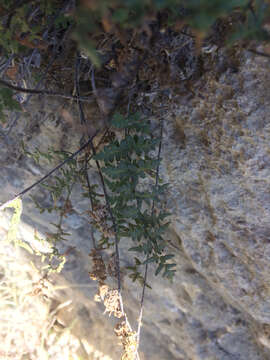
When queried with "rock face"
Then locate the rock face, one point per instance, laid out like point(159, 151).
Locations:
point(216, 158)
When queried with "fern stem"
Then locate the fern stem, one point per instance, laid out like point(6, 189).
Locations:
point(146, 265)
point(117, 258)
point(50, 172)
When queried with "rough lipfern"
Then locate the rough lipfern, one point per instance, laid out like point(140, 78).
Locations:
point(133, 200)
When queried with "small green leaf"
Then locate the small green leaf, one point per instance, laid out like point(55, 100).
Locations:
point(150, 260)
point(160, 267)
point(136, 248)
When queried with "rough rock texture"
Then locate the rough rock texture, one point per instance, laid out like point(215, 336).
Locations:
point(216, 158)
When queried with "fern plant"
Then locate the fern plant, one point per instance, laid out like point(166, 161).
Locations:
point(135, 194)
point(127, 164)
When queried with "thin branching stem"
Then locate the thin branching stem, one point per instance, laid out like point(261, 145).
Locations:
point(50, 172)
point(146, 265)
point(117, 258)
point(62, 213)
point(82, 120)
point(116, 239)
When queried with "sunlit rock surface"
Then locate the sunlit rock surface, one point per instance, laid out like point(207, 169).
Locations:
point(216, 157)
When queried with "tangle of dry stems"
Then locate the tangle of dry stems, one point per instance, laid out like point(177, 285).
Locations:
point(111, 301)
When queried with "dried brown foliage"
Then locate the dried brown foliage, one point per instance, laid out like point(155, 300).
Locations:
point(109, 297)
point(128, 339)
point(111, 301)
point(99, 217)
point(99, 269)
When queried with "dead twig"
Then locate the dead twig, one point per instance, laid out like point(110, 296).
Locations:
point(42, 92)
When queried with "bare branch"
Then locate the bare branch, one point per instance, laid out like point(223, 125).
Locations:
point(42, 92)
